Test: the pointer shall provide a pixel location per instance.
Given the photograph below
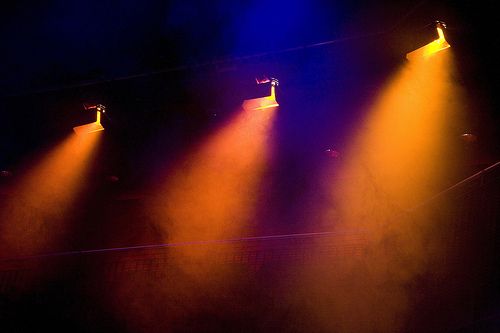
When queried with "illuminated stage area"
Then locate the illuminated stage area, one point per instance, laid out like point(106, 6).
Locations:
point(297, 166)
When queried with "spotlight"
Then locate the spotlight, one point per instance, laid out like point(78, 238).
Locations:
point(433, 47)
point(263, 102)
point(92, 127)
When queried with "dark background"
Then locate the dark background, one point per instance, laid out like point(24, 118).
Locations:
point(169, 73)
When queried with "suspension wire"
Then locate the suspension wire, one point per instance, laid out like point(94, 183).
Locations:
point(179, 68)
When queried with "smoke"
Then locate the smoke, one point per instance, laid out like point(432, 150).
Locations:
point(209, 195)
point(212, 192)
point(398, 157)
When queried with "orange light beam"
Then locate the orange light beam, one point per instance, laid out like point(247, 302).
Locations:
point(212, 193)
point(33, 219)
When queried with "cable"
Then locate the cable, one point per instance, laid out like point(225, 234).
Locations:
point(169, 245)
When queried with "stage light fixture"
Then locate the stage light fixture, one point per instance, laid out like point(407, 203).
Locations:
point(266, 102)
point(433, 47)
point(94, 126)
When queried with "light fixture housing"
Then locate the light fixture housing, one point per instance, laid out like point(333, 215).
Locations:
point(94, 126)
point(435, 46)
point(266, 102)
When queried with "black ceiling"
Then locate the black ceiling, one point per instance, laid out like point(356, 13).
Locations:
point(57, 43)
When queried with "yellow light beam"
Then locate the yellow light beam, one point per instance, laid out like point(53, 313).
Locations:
point(398, 156)
point(403, 141)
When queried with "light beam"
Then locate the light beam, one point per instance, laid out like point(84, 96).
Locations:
point(33, 219)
